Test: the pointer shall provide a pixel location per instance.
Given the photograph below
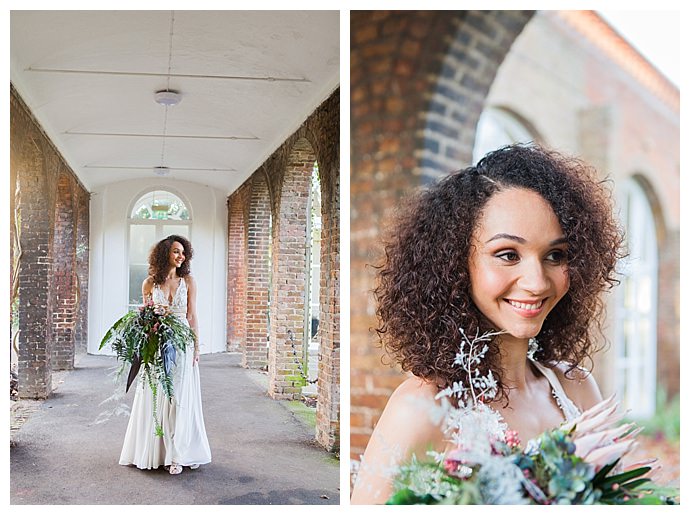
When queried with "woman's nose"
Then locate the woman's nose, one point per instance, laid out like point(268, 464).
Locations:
point(533, 277)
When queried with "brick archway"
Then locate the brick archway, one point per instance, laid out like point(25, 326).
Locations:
point(418, 84)
point(289, 274)
point(258, 274)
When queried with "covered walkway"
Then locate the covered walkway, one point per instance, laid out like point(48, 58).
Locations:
point(264, 451)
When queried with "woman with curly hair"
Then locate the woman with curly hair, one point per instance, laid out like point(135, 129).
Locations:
point(524, 243)
point(184, 441)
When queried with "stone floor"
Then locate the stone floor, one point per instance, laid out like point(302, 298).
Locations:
point(263, 452)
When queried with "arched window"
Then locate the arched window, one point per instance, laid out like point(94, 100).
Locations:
point(496, 128)
point(154, 216)
point(159, 205)
point(636, 305)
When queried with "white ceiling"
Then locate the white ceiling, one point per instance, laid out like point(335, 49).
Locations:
point(248, 80)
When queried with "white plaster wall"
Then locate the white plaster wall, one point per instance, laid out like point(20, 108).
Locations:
point(109, 275)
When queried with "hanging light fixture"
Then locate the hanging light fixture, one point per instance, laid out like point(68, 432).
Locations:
point(167, 98)
point(161, 170)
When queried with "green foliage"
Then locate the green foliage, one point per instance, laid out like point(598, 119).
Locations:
point(144, 333)
point(553, 474)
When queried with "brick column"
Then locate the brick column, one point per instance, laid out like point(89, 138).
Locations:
point(328, 385)
point(35, 338)
point(258, 274)
point(237, 268)
point(63, 281)
point(289, 271)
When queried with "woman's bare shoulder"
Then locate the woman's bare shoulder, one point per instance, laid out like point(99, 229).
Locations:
point(579, 385)
point(410, 413)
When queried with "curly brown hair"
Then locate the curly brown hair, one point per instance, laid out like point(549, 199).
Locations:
point(423, 285)
point(159, 258)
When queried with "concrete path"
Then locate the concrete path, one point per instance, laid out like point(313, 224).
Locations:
point(263, 453)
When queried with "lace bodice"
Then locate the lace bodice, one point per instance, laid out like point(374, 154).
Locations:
point(179, 302)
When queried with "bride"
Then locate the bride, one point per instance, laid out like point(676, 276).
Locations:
point(184, 441)
point(524, 243)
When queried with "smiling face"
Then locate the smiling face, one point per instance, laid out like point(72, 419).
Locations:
point(176, 254)
point(518, 264)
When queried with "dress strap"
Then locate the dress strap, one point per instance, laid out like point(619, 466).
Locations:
point(570, 411)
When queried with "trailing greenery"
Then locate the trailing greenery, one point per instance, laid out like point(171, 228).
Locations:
point(149, 340)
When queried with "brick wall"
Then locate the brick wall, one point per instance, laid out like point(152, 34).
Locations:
point(418, 81)
point(287, 172)
point(46, 241)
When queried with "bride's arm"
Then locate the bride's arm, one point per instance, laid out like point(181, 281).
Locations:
point(406, 427)
point(147, 289)
point(191, 312)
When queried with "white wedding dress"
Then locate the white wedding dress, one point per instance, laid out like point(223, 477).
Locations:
point(184, 438)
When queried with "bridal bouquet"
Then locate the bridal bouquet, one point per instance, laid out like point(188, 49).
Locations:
point(577, 463)
point(148, 340)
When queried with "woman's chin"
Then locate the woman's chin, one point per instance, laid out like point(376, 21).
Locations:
point(523, 333)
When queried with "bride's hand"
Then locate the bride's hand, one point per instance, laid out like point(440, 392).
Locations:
point(196, 357)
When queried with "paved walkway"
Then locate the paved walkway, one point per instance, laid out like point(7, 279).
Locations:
point(263, 453)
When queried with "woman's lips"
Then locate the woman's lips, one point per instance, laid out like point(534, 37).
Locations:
point(526, 309)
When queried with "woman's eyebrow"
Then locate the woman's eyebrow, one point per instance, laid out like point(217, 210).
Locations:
point(521, 240)
point(503, 235)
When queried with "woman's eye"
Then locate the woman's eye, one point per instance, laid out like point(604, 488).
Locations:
point(508, 256)
point(557, 256)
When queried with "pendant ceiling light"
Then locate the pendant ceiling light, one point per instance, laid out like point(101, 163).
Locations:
point(167, 98)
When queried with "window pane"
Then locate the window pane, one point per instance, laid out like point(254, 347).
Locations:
point(179, 230)
point(141, 239)
point(160, 205)
point(137, 274)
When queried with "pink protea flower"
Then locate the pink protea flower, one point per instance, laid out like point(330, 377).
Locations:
point(597, 437)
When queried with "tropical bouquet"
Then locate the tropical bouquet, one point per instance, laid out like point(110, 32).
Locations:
point(148, 339)
point(579, 462)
